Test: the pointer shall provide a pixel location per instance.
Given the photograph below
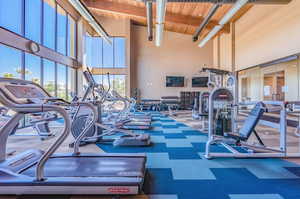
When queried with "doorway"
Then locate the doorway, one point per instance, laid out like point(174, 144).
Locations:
point(274, 86)
point(244, 89)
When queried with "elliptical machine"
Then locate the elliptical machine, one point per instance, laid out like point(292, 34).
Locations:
point(97, 132)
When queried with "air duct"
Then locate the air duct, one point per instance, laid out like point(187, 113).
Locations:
point(160, 20)
point(85, 13)
point(149, 20)
point(235, 8)
point(211, 13)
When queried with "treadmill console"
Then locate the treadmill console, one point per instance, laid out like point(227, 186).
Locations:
point(23, 93)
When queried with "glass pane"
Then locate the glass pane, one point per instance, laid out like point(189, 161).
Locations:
point(88, 50)
point(105, 81)
point(32, 68)
point(49, 24)
point(278, 82)
point(96, 57)
point(71, 82)
point(71, 37)
point(61, 81)
point(93, 46)
point(49, 76)
point(61, 30)
point(119, 52)
point(108, 55)
point(11, 15)
point(119, 83)
point(33, 20)
point(10, 62)
point(98, 79)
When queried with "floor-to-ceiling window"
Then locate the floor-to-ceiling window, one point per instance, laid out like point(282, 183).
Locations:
point(10, 62)
point(46, 23)
point(116, 82)
point(61, 29)
point(100, 54)
point(71, 37)
point(49, 76)
point(61, 81)
point(108, 55)
point(33, 68)
point(49, 10)
point(11, 15)
point(72, 82)
point(103, 56)
point(119, 52)
point(119, 84)
point(33, 17)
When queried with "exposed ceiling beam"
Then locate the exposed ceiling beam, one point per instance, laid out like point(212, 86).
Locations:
point(237, 16)
point(242, 12)
point(106, 6)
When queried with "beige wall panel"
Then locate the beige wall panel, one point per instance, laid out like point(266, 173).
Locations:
point(178, 55)
point(267, 32)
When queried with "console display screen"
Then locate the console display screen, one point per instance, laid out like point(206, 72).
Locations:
point(199, 81)
point(25, 91)
point(174, 81)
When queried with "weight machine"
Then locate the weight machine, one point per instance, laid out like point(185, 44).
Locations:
point(223, 131)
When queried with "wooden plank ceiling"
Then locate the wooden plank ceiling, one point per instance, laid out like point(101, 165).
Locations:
point(180, 17)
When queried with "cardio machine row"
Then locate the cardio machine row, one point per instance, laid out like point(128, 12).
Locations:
point(111, 122)
point(111, 174)
point(43, 172)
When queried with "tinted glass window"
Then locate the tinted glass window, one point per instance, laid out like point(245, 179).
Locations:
point(108, 55)
point(10, 62)
point(49, 24)
point(119, 52)
point(71, 82)
point(119, 84)
point(33, 20)
point(61, 81)
point(32, 68)
point(101, 54)
point(11, 15)
point(71, 37)
point(49, 76)
point(61, 30)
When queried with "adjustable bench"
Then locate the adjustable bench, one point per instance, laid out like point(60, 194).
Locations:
point(249, 125)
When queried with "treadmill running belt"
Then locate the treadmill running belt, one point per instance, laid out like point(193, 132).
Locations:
point(91, 166)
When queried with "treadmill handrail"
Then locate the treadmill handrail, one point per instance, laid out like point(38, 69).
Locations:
point(65, 133)
point(39, 107)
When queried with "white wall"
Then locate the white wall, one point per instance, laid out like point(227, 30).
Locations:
point(178, 55)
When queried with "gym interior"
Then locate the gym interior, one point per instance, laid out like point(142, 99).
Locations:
point(150, 99)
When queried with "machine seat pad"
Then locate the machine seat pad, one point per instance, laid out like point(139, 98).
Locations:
point(251, 121)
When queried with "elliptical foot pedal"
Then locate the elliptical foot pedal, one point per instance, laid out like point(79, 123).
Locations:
point(139, 140)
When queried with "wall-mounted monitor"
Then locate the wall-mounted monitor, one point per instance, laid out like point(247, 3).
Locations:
point(199, 81)
point(174, 81)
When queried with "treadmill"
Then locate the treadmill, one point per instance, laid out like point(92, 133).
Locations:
point(43, 172)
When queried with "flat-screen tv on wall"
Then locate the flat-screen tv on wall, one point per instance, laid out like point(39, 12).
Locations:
point(174, 81)
point(199, 81)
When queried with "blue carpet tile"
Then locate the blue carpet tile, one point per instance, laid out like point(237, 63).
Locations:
point(176, 168)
